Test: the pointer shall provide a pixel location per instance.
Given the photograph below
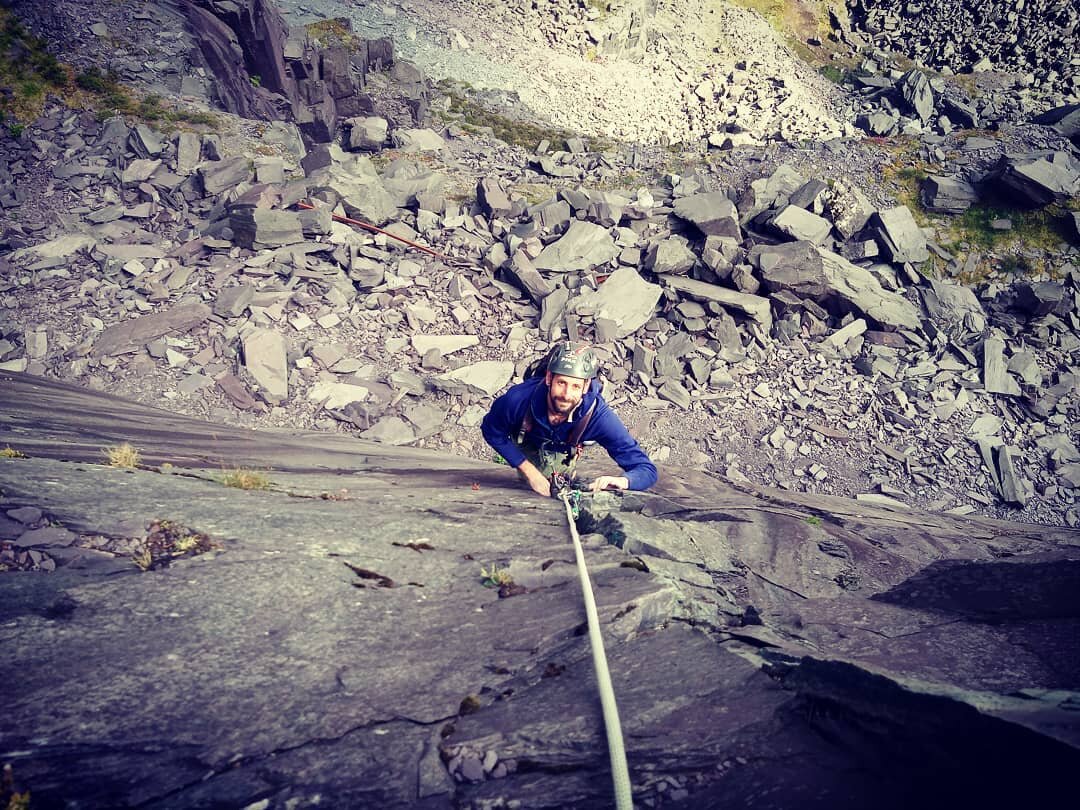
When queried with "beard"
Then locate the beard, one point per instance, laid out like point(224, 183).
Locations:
point(563, 406)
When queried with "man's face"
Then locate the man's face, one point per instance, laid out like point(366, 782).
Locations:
point(564, 393)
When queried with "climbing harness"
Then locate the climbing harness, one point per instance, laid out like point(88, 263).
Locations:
point(620, 773)
point(574, 441)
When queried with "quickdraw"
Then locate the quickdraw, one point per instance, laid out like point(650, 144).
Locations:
point(562, 483)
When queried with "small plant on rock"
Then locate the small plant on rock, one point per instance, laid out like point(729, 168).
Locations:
point(10, 797)
point(495, 578)
point(11, 452)
point(123, 456)
point(167, 540)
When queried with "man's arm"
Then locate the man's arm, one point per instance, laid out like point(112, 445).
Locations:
point(498, 428)
point(539, 484)
point(612, 435)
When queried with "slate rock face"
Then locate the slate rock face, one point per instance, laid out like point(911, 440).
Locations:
point(735, 626)
point(314, 87)
point(225, 58)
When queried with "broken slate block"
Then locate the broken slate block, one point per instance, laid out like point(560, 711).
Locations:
point(487, 377)
point(237, 393)
point(797, 223)
point(673, 392)
point(265, 360)
point(996, 377)
point(45, 536)
point(1039, 178)
point(626, 300)
point(390, 430)
point(232, 301)
point(900, 236)
point(1038, 298)
point(583, 247)
point(713, 214)
point(218, 175)
point(528, 277)
point(131, 335)
point(947, 195)
point(446, 344)
point(1015, 490)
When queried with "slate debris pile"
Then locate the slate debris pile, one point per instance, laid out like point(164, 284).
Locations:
point(684, 72)
point(1017, 70)
point(1034, 39)
point(917, 103)
point(734, 311)
point(791, 302)
point(31, 540)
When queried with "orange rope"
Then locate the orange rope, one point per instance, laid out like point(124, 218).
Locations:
point(372, 228)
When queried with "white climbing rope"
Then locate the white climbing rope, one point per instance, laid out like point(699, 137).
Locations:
point(620, 774)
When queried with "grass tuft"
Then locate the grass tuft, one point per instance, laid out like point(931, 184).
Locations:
point(475, 118)
point(1042, 229)
point(123, 456)
point(11, 452)
point(243, 478)
point(333, 32)
point(29, 74)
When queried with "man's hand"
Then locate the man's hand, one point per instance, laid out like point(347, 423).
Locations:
point(539, 484)
point(609, 482)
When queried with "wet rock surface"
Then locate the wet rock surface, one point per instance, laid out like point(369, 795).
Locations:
point(325, 648)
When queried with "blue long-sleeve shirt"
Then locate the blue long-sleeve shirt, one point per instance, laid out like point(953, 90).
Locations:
point(503, 423)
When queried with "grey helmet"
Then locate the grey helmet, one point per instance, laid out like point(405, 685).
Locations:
point(574, 360)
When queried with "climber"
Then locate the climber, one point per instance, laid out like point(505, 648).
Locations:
point(541, 425)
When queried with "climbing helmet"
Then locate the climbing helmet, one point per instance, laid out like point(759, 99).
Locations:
point(573, 360)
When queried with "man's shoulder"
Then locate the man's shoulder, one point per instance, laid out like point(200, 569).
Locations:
point(595, 396)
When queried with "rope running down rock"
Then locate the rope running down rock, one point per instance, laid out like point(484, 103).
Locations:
point(620, 773)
